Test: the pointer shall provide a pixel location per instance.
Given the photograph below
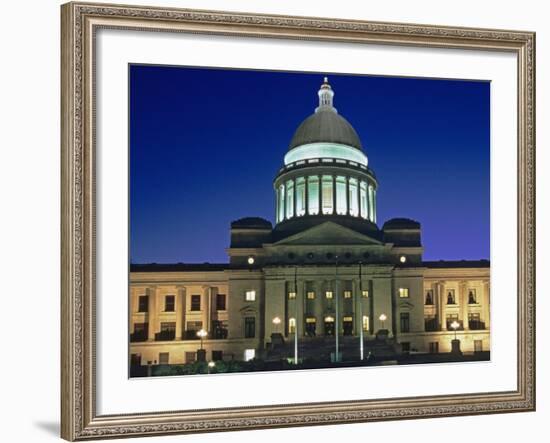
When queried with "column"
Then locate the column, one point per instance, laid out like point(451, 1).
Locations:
point(306, 187)
point(319, 307)
point(180, 312)
point(486, 307)
point(300, 303)
point(320, 195)
point(441, 305)
point(152, 312)
point(294, 191)
point(205, 307)
point(357, 310)
point(347, 195)
point(464, 303)
point(333, 194)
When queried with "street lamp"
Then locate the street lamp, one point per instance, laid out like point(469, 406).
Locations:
point(201, 334)
point(455, 325)
point(277, 322)
point(211, 365)
point(383, 318)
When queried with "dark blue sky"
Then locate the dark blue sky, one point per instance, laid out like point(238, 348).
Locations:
point(205, 145)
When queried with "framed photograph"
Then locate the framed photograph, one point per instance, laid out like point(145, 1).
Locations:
point(277, 221)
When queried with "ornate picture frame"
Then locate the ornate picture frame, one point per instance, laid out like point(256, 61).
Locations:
point(80, 22)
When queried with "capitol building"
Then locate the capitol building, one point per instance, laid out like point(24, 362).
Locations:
point(327, 281)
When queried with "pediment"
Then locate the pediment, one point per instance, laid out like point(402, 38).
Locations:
point(329, 233)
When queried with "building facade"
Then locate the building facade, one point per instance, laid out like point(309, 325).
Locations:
point(324, 282)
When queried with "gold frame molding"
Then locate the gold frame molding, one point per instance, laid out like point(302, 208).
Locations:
point(79, 22)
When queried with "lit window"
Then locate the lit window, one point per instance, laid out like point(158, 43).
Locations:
point(327, 196)
point(289, 199)
point(403, 292)
point(300, 196)
point(313, 197)
point(311, 295)
point(281, 211)
point(353, 202)
point(291, 295)
point(371, 203)
point(249, 354)
point(347, 294)
point(365, 322)
point(291, 325)
point(365, 294)
point(341, 203)
point(328, 294)
point(250, 295)
point(364, 201)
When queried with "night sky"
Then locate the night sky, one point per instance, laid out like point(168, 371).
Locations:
point(206, 144)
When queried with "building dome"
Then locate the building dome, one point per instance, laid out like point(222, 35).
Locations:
point(325, 173)
point(325, 126)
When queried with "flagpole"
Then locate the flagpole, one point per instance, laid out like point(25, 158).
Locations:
point(361, 351)
point(296, 315)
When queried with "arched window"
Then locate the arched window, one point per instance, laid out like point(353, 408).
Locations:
point(341, 204)
point(374, 205)
point(281, 208)
point(327, 194)
point(289, 199)
point(363, 200)
point(300, 196)
point(353, 197)
point(313, 197)
point(371, 203)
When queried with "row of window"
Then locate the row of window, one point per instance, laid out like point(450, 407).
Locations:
point(326, 194)
point(170, 303)
point(451, 298)
point(250, 295)
point(189, 357)
point(433, 347)
point(329, 325)
point(219, 330)
point(474, 322)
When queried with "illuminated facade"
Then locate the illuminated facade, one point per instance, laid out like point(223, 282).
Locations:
point(325, 282)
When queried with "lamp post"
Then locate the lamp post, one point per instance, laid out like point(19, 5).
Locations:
point(296, 315)
point(276, 321)
point(211, 365)
point(361, 350)
point(455, 325)
point(337, 324)
point(201, 334)
point(383, 318)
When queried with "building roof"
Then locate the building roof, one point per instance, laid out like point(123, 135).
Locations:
point(252, 223)
point(325, 125)
point(457, 264)
point(178, 267)
point(401, 223)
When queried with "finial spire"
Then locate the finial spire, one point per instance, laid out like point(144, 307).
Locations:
point(326, 95)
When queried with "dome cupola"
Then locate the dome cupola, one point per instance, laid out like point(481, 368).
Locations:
point(325, 171)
